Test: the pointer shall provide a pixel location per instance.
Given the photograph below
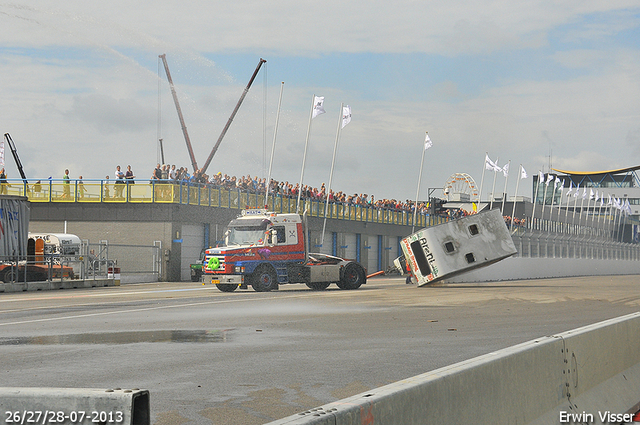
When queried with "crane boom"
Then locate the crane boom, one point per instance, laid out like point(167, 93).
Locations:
point(175, 100)
point(233, 114)
point(14, 152)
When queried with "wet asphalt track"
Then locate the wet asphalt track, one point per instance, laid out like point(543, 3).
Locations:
point(209, 357)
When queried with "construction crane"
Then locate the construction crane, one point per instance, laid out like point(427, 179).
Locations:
point(233, 114)
point(14, 152)
point(184, 127)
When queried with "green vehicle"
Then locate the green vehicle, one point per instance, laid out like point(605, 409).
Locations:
point(196, 269)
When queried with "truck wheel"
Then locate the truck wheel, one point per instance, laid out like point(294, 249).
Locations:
point(264, 279)
point(319, 286)
point(352, 277)
point(227, 287)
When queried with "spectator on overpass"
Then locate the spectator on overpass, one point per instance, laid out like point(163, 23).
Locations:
point(3, 182)
point(66, 188)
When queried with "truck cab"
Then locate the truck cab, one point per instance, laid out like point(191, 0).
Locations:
point(265, 249)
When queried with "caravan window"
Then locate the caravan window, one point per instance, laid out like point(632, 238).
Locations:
point(421, 259)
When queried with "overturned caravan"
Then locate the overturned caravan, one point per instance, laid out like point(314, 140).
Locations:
point(435, 253)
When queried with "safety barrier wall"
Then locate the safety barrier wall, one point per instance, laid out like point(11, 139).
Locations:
point(594, 370)
point(74, 406)
point(58, 284)
point(140, 192)
point(518, 268)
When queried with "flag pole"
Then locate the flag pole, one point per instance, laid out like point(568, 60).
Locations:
point(535, 198)
point(553, 197)
point(584, 194)
point(415, 206)
point(304, 157)
point(575, 207)
point(624, 223)
point(513, 210)
point(493, 190)
point(560, 203)
point(504, 193)
point(484, 167)
point(566, 209)
point(333, 161)
point(544, 196)
point(273, 149)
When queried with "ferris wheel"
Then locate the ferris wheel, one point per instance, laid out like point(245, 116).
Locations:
point(461, 183)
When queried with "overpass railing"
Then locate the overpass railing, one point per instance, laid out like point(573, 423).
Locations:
point(187, 193)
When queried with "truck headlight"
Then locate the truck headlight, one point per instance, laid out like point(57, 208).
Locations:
point(239, 269)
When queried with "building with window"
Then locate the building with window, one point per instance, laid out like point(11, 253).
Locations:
point(593, 193)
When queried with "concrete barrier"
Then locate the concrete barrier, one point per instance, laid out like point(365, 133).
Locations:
point(74, 406)
point(516, 268)
point(56, 284)
point(591, 371)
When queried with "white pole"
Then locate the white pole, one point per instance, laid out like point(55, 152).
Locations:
point(544, 196)
point(575, 204)
point(273, 148)
point(599, 214)
point(504, 192)
point(333, 161)
point(560, 206)
point(415, 207)
point(484, 167)
point(535, 197)
point(513, 210)
point(581, 210)
point(304, 157)
point(553, 196)
point(566, 209)
point(493, 190)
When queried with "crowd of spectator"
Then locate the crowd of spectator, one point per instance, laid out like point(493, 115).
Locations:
point(258, 186)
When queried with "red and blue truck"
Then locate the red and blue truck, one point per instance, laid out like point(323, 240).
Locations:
point(266, 249)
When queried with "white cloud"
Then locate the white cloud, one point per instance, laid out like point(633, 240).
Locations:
point(91, 112)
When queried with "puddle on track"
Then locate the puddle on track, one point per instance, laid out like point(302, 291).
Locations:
point(133, 337)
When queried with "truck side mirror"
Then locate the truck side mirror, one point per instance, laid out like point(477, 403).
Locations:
point(274, 237)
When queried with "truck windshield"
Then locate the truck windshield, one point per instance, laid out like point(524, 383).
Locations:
point(247, 232)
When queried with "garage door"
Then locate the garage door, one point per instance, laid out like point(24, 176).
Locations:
point(192, 244)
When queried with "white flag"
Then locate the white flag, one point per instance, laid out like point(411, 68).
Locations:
point(590, 194)
point(575, 195)
point(318, 108)
point(549, 179)
point(523, 173)
point(346, 115)
point(540, 177)
point(489, 164)
point(584, 194)
point(570, 187)
point(1, 152)
point(505, 169)
point(427, 142)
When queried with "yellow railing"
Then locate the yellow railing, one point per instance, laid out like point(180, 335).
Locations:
point(108, 191)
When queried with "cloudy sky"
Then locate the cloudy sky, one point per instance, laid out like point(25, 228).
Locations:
point(539, 83)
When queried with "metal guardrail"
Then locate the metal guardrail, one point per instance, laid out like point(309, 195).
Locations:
point(37, 268)
point(550, 245)
point(188, 193)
